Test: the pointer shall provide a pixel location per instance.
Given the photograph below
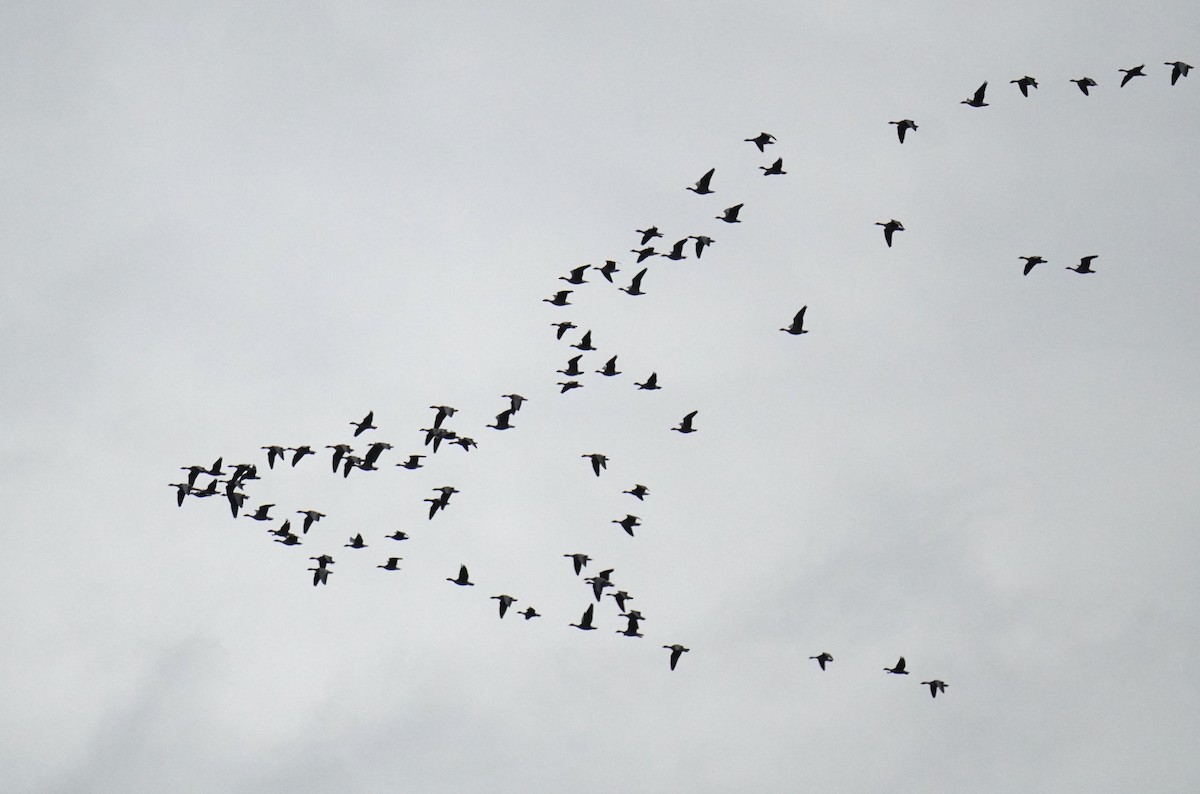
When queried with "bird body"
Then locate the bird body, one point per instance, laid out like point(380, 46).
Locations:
point(1178, 69)
point(635, 286)
point(730, 215)
point(762, 140)
point(356, 542)
point(822, 659)
point(903, 126)
point(702, 185)
point(1085, 265)
point(580, 561)
point(1031, 262)
point(976, 101)
point(585, 622)
point(898, 669)
point(890, 228)
point(628, 523)
point(463, 579)
point(676, 650)
point(775, 169)
point(575, 276)
point(610, 368)
point(1025, 83)
point(598, 461)
point(651, 383)
point(797, 326)
point(1131, 73)
point(365, 424)
point(935, 686)
point(648, 234)
point(639, 491)
point(1084, 83)
point(391, 564)
point(505, 602)
point(559, 298)
point(685, 424)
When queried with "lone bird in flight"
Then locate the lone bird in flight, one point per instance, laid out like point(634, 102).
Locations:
point(1131, 73)
point(585, 622)
point(1031, 262)
point(1084, 83)
point(391, 564)
point(797, 326)
point(575, 276)
point(505, 602)
point(648, 234)
point(365, 424)
point(685, 424)
point(762, 140)
point(676, 650)
point(635, 286)
point(559, 299)
point(898, 669)
point(598, 461)
point(638, 491)
point(1179, 69)
point(356, 542)
point(610, 368)
point(935, 686)
point(702, 186)
point(822, 659)
point(1085, 265)
point(976, 101)
point(463, 579)
point(651, 383)
point(580, 561)
point(1025, 83)
point(890, 228)
point(628, 523)
point(731, 214)
point(775, 169)
point(903, 126)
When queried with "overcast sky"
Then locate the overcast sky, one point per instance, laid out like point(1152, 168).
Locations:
point(230, 225)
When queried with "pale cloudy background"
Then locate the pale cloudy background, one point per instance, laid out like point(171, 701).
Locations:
point(227, 225)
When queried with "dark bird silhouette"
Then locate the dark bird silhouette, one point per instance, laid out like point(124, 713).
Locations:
point(515, 401)
point(620, 597)
point(1085, 265)
point(643, 253)
point(444, 412)
point(1031, 262)
point(903, 126)
point(559, 299)
point(374, 452)
point(323, 560)
point(201, 493)
point(283, 530)
point(702, 242)
point(463, 580)
point(599, 582)
point(273, 452)
point(356, 542)
point(236, 500)
point(505, 602)
point(193, 473)
point(572, 367)
point(339, 452)
point(568, 385)
point(215, 470)
point(648, 234)
point(320, 575)
point(413, 462)
point(392, 564)
point(676, 252)
point(797, 326)
point(585, 342)
point(935, 686)
point(628, 523)
point(397, 535)
point(762, 140)
point(635, 286)
point(898, 669)
point(598, 461)
point(182, 489)
point(529, 612)
point(822, 659)
point(502, 422)
point(1131, 73)
point(730, 215)
point(1025, 83)
point(639, 491)
point(300, 453)
point(1178, 69)
point(610, 368)
point(260, 514)
point(585, 622)
point(365, 424)
point(310, 518)
point(288, 540)
point(676, 650)
point(608, 269)
point(436, 504)
point(702, 186)
point(630, 630)
point(1084, 83)
point(651, 383)
point(465, 442)
point(775, 169)
point(562, 327)
point(576, 275)
point(685, 424)
point(580, 561)
point(976, 101)
point(889, 228)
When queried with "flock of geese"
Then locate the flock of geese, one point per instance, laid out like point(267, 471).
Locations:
point(231, 481)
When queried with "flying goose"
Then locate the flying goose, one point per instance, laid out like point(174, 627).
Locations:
point(935, 686)
point(273, 452)
point(320, 575)
point(182, 489)
point(391, 564)
point(1084, 83)
point(310, 517)
point(563, 327)
point(339, 452)
point(651, 383)
point(444, 412)
point(462, 580)
point(635, 286)
point(300, 453)
point(529, 612)
point(730, 215)
point(676, 651)
point(822, 659)
point(365, 424)
point(598, 461)
point(1025, 83)
point(677, 250)
point(903, 126)
point(397, 535)
point(898, 669)
point(559, 298)
point(762, 140)
point(1031, 262)
point(515, 400)
point(701, 188)
point(797, 326)
point(685, 424)
point(643, 253)
point(568, 385)
point(260, 514)
point(638, 491)
point(1131, 73)
point(356, 542)
point(889, 228)
point(585, 342)
point(620, 597)
point(976, 101)
point(608, 269)
point(1179, 69)
point(580, 561)
point(648, 234)
point(585, 622)
point(1085, 265)
point(413, 462)
point(628, 523)
point(702, 241)
point(775, 169)
point(576, 275)
point(505, 602)
point(610, 368)
point(502, 422)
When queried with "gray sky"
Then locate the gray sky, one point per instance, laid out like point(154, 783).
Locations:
point(233, 225)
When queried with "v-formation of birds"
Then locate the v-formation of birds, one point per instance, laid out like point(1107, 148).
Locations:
point(345, 459)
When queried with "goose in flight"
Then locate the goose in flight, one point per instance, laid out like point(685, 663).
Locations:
point(685, 424)
point(576, 275)
point(356, 542)
point(300, 453)
point(1085, 265)
point(702, 241)
point(935, 686)
point(515, 401)
point(444, 412)
point(283, 530)
point(310, 518)
point(1178, 69)
point(903, 126)
point(374, 452)
point(288, 540)
point(572, 367)
point(701, 188)
point(260, 514)
point(890, 228)
point(631, 630)
point(365, 424)
point(598, 461)
point(898, 669)
point(182, 489)
point(413, 462)
point(638, 491)
point(797, 326)
point(599, 582)
point(580, 561)
point(628, 523)
point(563, 327)
point(323, 560)
point(822, 659)
point(463, 580)
point(1084, 83)
point(397, 535)
point(676, 252)
point(1131, 73)
point(585, 342)
point(610, 368)
point(643, 253)
point(505, 602)
point(559, 299)
point(762, 140)
point(608, 269)
point(392, 564)
point(502, 422)
point(568, 385)
point(339, 452)
point(976, 101)
point(676, 650)
point(211, 490)
point(529, 612)
point(621, 597)
point(648, 234)
point(775, 169)
point(320, 575)
point(273, 452)
point(730, 215)
point(585, 622)
point(1025, 83)
point(635, 286)
point(1031, 262)
point(651, 383)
